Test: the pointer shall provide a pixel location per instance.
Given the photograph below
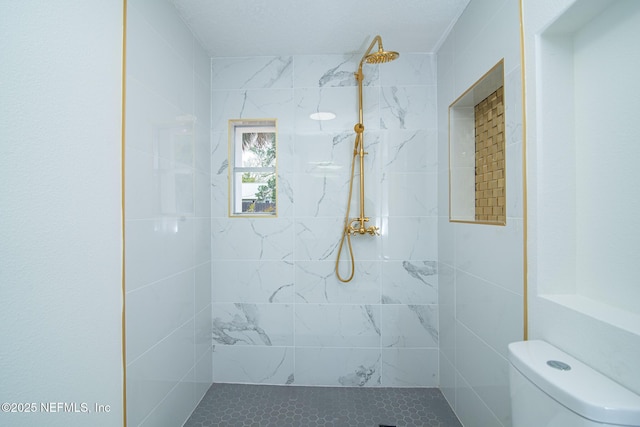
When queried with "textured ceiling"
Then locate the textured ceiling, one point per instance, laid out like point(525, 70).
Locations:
point(294, 27)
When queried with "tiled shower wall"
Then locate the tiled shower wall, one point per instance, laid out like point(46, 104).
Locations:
point(481, 266)
point(280, 315)
point(168, 263)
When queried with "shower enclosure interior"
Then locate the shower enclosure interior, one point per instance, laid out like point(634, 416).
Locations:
point(265, 289)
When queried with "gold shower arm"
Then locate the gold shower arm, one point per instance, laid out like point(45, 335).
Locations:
point(377, 39)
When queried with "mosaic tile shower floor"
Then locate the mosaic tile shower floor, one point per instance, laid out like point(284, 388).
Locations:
point(240, 405)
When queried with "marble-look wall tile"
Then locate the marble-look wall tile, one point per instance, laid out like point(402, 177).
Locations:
point(409, 282)
point(252, 324)
point(324, 153)
point(410, 151)
point(320, 240)
point(260, 365)
point(340, 330)
point(252, 238)
point(337, 325)
point(249, 281)
point(318, 194)
point(410, 194)
point(316, 282)
point(342, 101)
point(261, 72)
point(411, 107)
point(253, 104)
point(410, 69)
point(286, 144)
point(410, 238)
point(350, 367)
point(409, 325)
point(410, 367)
point(330, 71)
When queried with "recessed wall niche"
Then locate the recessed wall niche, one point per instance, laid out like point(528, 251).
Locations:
point(586, 168)
point(477, 185)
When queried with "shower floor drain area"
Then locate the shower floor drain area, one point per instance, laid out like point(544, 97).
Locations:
point(236, 405)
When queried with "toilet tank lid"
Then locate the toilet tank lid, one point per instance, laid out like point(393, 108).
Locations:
point(581, 389)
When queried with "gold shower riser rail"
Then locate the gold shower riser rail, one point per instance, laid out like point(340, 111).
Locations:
point(357, 225)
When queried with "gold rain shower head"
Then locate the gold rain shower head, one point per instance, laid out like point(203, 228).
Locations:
point(379, 57)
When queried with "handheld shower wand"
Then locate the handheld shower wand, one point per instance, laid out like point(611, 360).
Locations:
point(357, 225)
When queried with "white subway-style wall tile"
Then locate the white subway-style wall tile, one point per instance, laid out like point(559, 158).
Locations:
point(168, 209)
point(172, 300)
point(491, 312)
point(480, 266)
point(474, 256)
point(157, 248)
point(151, 377)
point(491, 383)
point(202, 281)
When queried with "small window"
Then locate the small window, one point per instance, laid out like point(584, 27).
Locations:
point(252, 171)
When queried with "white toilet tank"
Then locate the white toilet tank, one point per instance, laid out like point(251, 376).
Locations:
point(549, 388)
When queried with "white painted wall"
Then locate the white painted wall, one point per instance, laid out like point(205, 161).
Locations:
point(168, 257)
point(481, 266)
point(583, 265)
point(60, 210)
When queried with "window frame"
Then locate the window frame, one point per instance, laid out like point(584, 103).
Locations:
point(238, 127)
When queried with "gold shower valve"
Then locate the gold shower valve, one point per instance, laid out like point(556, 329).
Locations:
point(359, 227)
point(373, 230)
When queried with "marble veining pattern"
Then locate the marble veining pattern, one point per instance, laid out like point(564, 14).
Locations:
point(280, 314)
point(359, 378)
point(243, 325)
point(421, 271)
point(252, 324)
